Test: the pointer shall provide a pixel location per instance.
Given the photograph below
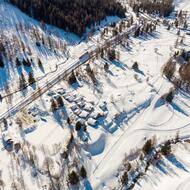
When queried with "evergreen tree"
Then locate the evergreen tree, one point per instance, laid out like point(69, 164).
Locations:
point(169, 97)
point(111, 54)
point(124, 178)
point(135, 66)
point(53, 105)
point(31, 79)
point(106, 67)
point(18, 63)
point(73, 178)
point(24, 62)
point(73, 15)
point(1, 62)
point(147, 146)
point(137, 32)
point(22, 80)
point(60, 101)
point(166, 148)
point(78, 126)
point(83, 173)
point(40, 63)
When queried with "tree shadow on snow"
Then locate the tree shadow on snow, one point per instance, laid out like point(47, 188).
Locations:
point(150, 36)
point(178, 109)
point(58, 118)
point(162, 167)
point(119, 64)
point(4, 78)
point(160, 102)
point(172, 158)
point(88, 185)
point(139, 72)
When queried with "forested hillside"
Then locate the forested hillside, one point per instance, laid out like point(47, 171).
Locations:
point(161, 7)
point(71, 15)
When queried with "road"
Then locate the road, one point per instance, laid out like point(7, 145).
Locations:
point(69, 66)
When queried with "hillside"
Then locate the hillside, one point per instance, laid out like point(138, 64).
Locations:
point(108, 112)
point(72, 16)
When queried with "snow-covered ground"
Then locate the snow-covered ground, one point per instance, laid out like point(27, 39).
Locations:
point(121, 112)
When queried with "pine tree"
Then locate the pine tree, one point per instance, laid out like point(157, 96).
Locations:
point(72, 78)
point(106, 67)
point(31, 79)
point(60, 101)
point(166, 148)
point(1, 62)
point(147, 146)
point(73, 178)
point(124, 178)
point(137, 32)
point(111, 54)
point(169, 97)
point(135, 66)
point(18, 63)
point(24, 62)
point(68, 121)
point(78, 126)
point(40, 63)
point(28, 63)
point(53, 105)
point(83, 173)
point(22, 80)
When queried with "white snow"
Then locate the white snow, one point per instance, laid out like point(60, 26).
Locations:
point(128, 101)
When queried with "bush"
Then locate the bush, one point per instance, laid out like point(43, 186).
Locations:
point(73, 178)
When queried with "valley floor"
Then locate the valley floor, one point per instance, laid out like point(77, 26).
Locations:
point(121, 112)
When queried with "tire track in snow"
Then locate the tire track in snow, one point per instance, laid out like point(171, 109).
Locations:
point(128, 128)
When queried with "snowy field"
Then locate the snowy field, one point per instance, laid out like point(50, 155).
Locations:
point(120, 112)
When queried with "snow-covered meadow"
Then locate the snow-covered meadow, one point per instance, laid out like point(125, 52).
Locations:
point(120, 111)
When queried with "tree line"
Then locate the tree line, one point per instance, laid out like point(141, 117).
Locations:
point(71, 15)
point(161, 7)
